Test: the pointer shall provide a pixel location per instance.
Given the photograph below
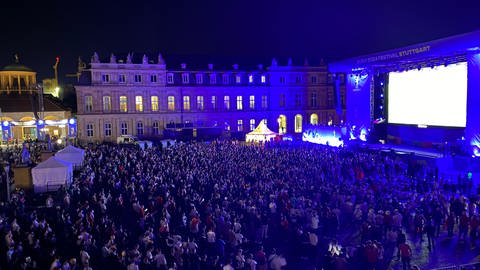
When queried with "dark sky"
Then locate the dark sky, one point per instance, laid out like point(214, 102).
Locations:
point(222, 31)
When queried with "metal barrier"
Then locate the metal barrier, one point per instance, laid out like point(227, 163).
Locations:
point(468, 266)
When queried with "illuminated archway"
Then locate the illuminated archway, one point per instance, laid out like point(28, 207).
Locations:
point(314, 119)
point(282, 124)
point(51, 117)
point(26, 119)
point(298, 123)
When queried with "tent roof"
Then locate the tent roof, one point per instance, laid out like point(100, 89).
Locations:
point(262, 129)
point(52, 162)
point(71, 149)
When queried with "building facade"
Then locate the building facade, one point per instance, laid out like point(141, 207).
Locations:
point(124, 98)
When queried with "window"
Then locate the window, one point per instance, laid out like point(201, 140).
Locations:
point(264, 102)
point(213, 78)
point(107, 103)
point(298, 100)
point(154, 103)
point(214, 102)
point(186, 103)
point(139, 128)
point(106, 78)
point(153, 78)
point(252, 102)
point(139, 103)
point(226, 102)
point(314, 79)
point(200, 104)
point(170, 78)
point(282, 79)
point(89, 130)
point(298, 79)
point(122, 78)
point(250, 78)
point(239, 125)
point(199, 78)
point(314, 119)
point(282, 100)
point(108, 129)
point(264, 79)
point(313, 100)
point(123, 104)
point(239, 103)
point(185, 78)
point(225, 78)
point(298, 123)
point(123, 128)
point(88, 103)
point(252, 124)
point(238, 79)
point(171, 103)
point(155, 128)
point(138, 78)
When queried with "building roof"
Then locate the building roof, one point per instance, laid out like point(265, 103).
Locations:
point(17, 67)
point(15, 102)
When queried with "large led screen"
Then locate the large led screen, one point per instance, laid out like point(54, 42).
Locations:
point(429, 96)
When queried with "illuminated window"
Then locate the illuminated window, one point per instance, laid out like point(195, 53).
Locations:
point(185, 78)
point(238, 79)
point(200, 104)
point(298, 123)
point(108, 129)
point(264, 102)
point(88, 103)
point(282, 100)
point(314, 119)
point(213, 78)
point(155, 128)
point(122, 78)
point(298, 100)
point(139, 103)
point(282, 80)
point(250, 78)
point(225, 78)
point(153, 78)
point(313, 100)
point(186, 103)
point(154, 101)
point(252, 102)
point(264, 79)
point(314, 79)
point(123, 104)
point(239, 103)
point(214, 102)
point(107, 103)
point(139, 128)
point(171, 103)
point(138, 78)
point(226, 102)
point(282, 124)
point(106, 78)
point(239, 125)
point(123, 128)
point(252, 124)
point(89, 130)
point(170, 78)
point(199, 78)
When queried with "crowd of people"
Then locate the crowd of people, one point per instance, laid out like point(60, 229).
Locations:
point(226, 205)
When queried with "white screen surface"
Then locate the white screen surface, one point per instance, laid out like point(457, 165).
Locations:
point(429, 96)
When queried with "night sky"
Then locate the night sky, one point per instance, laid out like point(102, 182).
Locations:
point(222, 32)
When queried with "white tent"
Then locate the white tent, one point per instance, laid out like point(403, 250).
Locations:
point(51, 174)
point(71, 154)
point(260, 134)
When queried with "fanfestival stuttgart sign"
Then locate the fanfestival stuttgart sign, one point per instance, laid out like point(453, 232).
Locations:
point(394, 55)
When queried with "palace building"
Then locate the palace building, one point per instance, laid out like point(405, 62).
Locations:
point(124, 97)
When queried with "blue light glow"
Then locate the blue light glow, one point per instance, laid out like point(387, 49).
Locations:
point(40, 122)
point(71, 121)
point(5, 123)
point(329, 135)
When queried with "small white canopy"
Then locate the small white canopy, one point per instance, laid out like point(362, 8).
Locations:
point(51, 174)
point(260, 134)
point(71, 154)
